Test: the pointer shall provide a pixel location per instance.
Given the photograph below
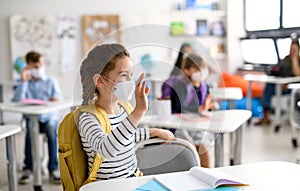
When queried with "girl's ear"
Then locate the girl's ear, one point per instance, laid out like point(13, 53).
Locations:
point(98, 80)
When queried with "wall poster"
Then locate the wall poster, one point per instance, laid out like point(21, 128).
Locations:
point(99, 29)
point(43, 33)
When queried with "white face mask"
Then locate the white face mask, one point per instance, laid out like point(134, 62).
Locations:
point(200, 76)
point(38, 73)
point(124, 90)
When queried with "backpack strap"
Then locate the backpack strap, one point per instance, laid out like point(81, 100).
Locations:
point(103, 119)
point(126, 105)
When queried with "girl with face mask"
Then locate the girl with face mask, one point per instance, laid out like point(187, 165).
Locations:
point(106, 77)
point(190, 94)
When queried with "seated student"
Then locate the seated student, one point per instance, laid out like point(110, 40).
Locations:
point(190, 93)
point(290, 67)
point(106, 76)
point(35, 84)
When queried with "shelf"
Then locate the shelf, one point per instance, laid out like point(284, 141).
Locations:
point(203, 37)
point(204, 21)
point(199, 13)
point(220, 56)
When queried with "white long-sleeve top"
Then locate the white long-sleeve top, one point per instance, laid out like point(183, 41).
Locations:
point(117, 147)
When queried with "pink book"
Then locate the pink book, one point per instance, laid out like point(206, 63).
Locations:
point(30, 101)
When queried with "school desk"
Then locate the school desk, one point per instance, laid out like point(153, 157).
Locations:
point(8, 132)
point(33, 111)
point(262, 176)
point(217, 122)
point(278, 81)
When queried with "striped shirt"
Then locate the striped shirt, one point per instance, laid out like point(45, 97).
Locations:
point(117, 147)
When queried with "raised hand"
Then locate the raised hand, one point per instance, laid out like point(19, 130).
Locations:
point(141, 93)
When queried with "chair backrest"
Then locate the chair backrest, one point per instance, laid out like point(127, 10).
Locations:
point(228, 93)
point(156, 156)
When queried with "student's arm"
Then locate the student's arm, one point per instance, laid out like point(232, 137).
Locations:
point(142, 134)
point(25, 76)
point(20, 92)
point(207, 105)
point(162, 134)
point(107, 145)
point(295, 60)
point(55, 91)
point(295, 66)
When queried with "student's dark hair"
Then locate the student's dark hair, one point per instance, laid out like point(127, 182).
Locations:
point(32, 57)
point(100, 60)
point(177, 67)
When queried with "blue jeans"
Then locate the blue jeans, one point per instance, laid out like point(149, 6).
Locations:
point(269, 91)
point(50, 129)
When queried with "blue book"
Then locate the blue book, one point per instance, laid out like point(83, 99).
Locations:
point(152, 185)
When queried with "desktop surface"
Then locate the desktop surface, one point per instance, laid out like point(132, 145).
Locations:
point(273, 175)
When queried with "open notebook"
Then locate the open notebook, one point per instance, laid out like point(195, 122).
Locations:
point(198, 178)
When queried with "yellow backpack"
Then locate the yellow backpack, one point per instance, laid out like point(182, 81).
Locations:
point(73, 162)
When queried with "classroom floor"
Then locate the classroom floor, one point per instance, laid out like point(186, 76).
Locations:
point(259, 144)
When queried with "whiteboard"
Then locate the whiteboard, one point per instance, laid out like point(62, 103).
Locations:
point(44, 34)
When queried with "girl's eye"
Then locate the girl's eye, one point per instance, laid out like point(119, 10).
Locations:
point(124, 75)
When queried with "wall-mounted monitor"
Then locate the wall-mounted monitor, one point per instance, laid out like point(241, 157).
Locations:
point(269, 18)
point(283, 46)
point(262, 15)
point(260, 51)
point(290, 8)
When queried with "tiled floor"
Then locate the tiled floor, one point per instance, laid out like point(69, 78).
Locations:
point(259, 144)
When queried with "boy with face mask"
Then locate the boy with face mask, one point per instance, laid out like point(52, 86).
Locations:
point(190, 94)
point(36, 85)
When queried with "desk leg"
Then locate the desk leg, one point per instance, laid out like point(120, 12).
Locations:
point(249, 99)
point(153, 90)
point(232, 149)
point(12, 164)
point(1, 100)
point(35, 147)
point(277, 107)
point(292, 118)
point(236, 146)
point(219, 150)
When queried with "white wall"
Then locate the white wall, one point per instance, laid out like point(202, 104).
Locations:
point(235, 30)
point(132, 12)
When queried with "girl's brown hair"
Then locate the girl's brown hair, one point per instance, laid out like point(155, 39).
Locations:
point(196, 61)
point(100, 60)
point(193, 61)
